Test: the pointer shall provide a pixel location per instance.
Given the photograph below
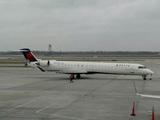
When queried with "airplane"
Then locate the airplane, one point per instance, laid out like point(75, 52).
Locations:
point(145, 95)
point(78, 67)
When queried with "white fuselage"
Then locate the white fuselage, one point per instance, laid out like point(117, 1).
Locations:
point(74, 67)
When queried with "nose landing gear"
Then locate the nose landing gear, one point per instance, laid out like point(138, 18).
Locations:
point(150, 77)
point(144, 77)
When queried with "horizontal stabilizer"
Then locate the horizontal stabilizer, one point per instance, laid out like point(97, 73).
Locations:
point(41, 69)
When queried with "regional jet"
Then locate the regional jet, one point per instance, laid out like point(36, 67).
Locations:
point(78, 67)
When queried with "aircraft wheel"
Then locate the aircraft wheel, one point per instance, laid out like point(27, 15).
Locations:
point(78, 76)
point(144, 78)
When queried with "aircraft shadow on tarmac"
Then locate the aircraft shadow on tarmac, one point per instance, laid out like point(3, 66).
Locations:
point(88, 78)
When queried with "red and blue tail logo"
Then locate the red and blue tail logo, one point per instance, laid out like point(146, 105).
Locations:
point(28, 55)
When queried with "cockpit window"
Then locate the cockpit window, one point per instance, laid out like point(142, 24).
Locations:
point(142, 67)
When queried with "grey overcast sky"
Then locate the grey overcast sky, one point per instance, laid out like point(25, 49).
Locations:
point(80, 25)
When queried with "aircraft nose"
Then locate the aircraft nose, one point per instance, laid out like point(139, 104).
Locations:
point(150, 71)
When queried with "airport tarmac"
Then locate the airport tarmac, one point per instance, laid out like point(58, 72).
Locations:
point(29, 94)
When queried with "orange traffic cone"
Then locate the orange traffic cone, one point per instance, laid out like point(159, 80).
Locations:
point(133, 114)
point(152, 113)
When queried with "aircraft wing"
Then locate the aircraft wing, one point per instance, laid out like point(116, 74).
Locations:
point(66, 71)
point(145, 95)
point(72, 71)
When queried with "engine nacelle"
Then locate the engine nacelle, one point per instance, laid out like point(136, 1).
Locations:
point(44, 63)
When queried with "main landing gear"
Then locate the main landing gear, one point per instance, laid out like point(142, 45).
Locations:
point(144, 77)
point(77, 76)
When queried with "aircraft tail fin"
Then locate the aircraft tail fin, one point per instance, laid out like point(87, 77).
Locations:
point(29, 56)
